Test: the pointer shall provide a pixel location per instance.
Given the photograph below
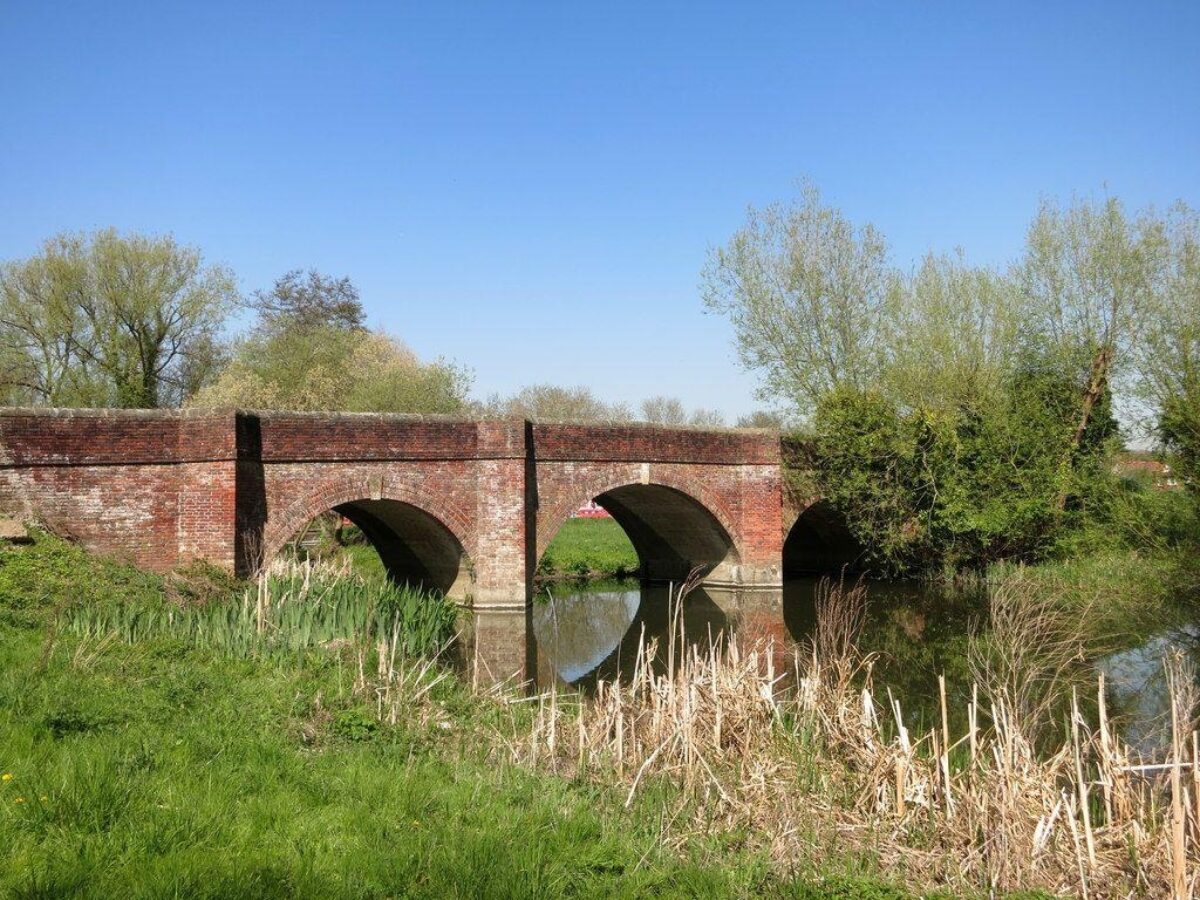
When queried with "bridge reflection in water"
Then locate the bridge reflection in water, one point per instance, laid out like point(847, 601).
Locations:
point(579, 635)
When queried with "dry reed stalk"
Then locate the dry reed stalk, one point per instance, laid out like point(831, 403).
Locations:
point(1196, 787)
point(1178, 836)
point(716, 723)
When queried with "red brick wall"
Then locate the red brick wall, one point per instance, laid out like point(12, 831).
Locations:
point(146, 486)
point(162, 487)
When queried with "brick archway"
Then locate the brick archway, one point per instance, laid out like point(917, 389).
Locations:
point(554, 517)
point(648, 511)
point(362, 502)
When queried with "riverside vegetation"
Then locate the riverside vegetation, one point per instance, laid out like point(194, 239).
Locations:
point(308, 736)
point(185, 736)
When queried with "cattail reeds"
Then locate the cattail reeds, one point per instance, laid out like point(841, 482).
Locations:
point(999, 807)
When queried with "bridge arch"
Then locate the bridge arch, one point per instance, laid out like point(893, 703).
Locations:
point(674, 524)
point(421, 539)
point(819, 541)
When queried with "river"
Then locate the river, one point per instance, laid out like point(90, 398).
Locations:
point(917, 631)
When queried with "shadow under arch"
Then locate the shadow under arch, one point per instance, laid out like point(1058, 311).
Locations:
point(671, 531)
point(415, 547)
point(420, 541)
point(820, 543)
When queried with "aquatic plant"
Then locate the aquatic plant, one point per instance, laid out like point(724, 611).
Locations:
point(809, 754)
point(294, 607)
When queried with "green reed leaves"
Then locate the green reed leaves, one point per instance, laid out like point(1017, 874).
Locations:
point(286, 612)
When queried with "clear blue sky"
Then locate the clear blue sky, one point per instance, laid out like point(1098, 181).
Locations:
point(531, 189)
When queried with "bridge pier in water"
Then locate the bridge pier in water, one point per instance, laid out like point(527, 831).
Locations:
point(460, 506)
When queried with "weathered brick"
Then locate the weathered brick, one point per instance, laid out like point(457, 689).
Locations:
point(164, 487)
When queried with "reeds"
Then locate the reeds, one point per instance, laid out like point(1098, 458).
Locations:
point(292, 608)
point(815, 757)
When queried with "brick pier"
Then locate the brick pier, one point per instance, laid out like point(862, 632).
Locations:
point(464, 506)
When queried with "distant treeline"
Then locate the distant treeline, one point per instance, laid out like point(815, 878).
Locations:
point(111, 320)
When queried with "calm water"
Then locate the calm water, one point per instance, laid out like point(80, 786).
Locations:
point(585, 633)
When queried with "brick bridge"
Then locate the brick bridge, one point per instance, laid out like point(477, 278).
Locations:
point(466, 507)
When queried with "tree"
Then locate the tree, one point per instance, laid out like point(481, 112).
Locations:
point(663, 410)
point(761, 418)
point(702, 417)
point(309, 300)
point(106, 320)
point(551, 403)
point(332, 368)
point(1168, 346)
point(1088, 272)
point(806, 292)
point(952, 334)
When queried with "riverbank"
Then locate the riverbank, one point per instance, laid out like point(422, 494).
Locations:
point(161, 768)
point(586, 549)
point(151, 756)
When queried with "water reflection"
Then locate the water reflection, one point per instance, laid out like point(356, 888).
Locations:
point(1137, 686)
point(590, 632)
point(594, 633)
point(914, 631)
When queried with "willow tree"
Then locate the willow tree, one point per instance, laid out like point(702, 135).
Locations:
point(1089, 272)
point(111, 320)
point(806, 291)
point(1168, 345)
point(953, 334)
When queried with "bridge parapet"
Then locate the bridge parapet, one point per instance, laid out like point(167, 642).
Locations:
point(161, 488)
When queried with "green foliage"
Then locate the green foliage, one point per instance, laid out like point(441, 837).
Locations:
point(960, 487)
point(50, 574)
point(355, 725)
point(588, 548)
point(1179, 428)
point(333, 368)
point(285, 615)
point(107, 320)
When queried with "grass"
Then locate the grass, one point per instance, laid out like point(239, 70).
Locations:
point(589, 548)
point(295, 608)
point(151, 760)
point(189, 736)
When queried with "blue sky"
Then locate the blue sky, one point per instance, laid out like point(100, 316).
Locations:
point(531, 189)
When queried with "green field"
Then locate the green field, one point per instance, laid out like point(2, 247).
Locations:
point(159, 767)
point(589, 548)
point(582, 549)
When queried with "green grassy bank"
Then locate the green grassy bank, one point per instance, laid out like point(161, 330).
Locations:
point(162, 767)
point(589, 548)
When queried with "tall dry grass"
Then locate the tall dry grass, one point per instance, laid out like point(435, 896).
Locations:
point(817, 759)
